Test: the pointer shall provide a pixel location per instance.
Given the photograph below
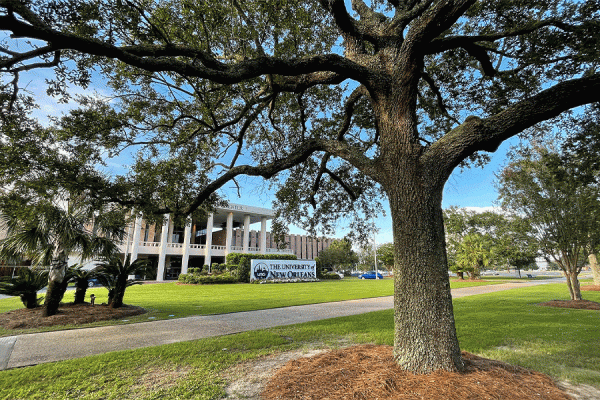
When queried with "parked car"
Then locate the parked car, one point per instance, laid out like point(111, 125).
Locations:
point(93, 282)
point(370, 275)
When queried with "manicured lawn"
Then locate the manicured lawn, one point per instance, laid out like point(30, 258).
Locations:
point(170, 300)
point(506, 325)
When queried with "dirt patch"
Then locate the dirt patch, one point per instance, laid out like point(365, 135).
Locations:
point(68, 314)
point(248, 380)
point(578, 304)
point(594, 288)
point(369, 372)
point(156, 379)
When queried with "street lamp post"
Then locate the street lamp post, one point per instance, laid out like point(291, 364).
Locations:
point(375, 251)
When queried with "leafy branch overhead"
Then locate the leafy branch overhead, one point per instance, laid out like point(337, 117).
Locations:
point(245, 79)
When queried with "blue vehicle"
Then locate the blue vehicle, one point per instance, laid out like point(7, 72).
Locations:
point(370, 275)
point(93, 282)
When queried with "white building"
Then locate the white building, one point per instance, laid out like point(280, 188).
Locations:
point(175, 249)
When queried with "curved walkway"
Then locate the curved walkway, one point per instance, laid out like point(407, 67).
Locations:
point(37, 348)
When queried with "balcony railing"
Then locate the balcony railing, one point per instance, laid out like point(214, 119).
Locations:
point(156, 245)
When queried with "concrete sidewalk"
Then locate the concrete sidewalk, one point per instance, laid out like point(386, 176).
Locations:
point(37, 348)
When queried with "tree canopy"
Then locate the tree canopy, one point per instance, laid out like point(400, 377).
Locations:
point(562, 210)
point(503, 240)
point(344, 107)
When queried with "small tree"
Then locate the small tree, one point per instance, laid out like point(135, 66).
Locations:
point(81, 277)
point(339, 255)
point(25, 285)
point(546, 190)
point(385, 254)
point(113, 274)
point(473, 254)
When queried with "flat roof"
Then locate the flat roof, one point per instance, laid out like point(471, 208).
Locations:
point(239, 212)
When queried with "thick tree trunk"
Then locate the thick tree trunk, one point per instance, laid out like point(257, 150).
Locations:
point(54, 295)
point(425, 336)
point(595, 268)
point(80, 293)
point(119, 293)
point(55, 291)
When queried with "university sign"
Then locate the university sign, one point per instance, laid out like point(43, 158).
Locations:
point(282, 269)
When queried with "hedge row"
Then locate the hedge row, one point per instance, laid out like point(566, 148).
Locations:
point(202, 279)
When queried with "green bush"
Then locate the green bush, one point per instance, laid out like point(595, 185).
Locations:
point(196, 279)
point(197, 270)
point(218, 268)
point(243, 262)
point(25, 285)
point(330, 275)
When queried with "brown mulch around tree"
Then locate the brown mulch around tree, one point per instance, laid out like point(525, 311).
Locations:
point(369, 372)
point(578, 304)
point(595, 288)
point(68, 314)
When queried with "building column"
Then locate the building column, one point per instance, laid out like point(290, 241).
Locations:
point(171, 229)
point(162, 255)
point(187, 235)
point(207, 250)
point(246, 239)
point(263, 235)
point(137, 229)
point(229, 233)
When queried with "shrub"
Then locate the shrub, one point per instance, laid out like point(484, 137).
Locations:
point(113, 274)
point(25, 285)
point(243, 261)
point(218, 268)
point(330, 275)
point(196, 279)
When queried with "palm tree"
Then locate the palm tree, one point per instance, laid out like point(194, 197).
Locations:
point(113, 274)
point(47, 232)
point(25, 285)
point(81, 277)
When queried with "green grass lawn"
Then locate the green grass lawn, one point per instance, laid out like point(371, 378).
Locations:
point(170, 300)
point(507, 325)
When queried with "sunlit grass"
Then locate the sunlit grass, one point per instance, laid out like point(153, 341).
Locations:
point(171, 300)
point(508, 325)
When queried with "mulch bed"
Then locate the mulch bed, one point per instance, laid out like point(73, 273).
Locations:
point(68, 314)
point(594, 288)
point(578, 304)
point(369, 372)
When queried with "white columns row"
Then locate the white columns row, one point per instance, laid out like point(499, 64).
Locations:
point(166, 237)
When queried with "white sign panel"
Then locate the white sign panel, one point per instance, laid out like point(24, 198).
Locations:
point(282, 269)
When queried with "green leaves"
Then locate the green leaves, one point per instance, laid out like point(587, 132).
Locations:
point(547, 191)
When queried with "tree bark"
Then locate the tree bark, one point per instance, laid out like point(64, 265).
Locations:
point(425, 336)
point(55, 291)
point(80, 291)
point(595, 268)
point(119, 292)
point(573, 285)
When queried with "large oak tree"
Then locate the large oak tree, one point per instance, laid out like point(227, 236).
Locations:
point(367, 98)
